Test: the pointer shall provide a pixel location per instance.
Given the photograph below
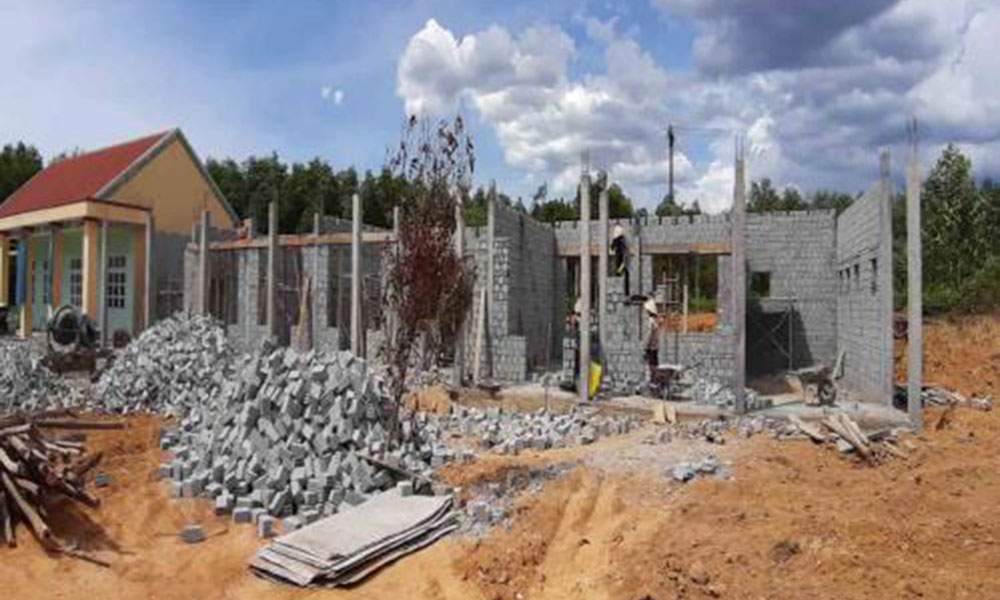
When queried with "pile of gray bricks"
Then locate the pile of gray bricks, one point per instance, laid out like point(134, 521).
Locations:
point(179, 363)
point(26, 384)
point(509, 432)
point(289, 437)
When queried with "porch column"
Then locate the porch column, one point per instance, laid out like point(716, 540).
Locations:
point(29, 286)
point(4, 269)
point(56, 266)
point(103, 284)
point(150, 287)
point(89, 269)
point(139, 276)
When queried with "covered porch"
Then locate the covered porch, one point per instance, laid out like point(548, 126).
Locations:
point(60, 255)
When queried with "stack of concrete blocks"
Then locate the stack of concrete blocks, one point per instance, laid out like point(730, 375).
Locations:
point(797, 250)
point(862, 296)
point(284, 438)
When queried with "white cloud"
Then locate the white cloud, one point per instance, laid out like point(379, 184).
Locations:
point(543, 119)
point(817, 92)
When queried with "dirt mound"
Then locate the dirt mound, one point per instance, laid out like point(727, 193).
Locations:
point(960, 353)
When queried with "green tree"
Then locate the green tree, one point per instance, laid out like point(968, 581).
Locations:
point(18, 163)
point(763, 196)
point(827, 199)
point(954, 225)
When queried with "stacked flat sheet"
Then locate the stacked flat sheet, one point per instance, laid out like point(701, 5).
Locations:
point(344, 548)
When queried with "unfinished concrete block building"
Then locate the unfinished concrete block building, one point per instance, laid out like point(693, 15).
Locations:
point(774, 292)
point(817, 285)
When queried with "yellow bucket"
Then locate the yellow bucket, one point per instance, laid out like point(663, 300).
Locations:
point(595, 379)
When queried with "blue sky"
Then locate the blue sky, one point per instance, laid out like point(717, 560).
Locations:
point(818, 91)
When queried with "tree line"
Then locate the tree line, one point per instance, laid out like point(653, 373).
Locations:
point(960, 221)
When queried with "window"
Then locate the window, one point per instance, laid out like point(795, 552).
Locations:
point(857, 276)
point(874, 268)
point(760, 284)
point(76, 282)
point(116, 281)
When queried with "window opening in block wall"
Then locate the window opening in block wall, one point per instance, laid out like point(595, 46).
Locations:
point(760, 284)
point(701, 274)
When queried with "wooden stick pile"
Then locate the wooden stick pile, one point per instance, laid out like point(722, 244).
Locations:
point(843, 431)
point(35, 464)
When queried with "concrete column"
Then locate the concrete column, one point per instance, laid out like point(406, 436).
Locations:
point(491, 232)
point(89, 269)
point(584, 380)
point(29, 286)
point(884, 281)
point(356, 275)
point(602, 266)
point(56, 265)
point(4, 269)
point(739, 286)
point(148, 273)
point(316, 322)
point(102, 293)
point(272, 269)
point(914, 279)
point(460, 334)
point(204, 277)
point(491, 226)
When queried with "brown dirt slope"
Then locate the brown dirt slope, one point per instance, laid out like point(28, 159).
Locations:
point(960, 353)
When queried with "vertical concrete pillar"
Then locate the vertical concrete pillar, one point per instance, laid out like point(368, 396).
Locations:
point(204, 277)
point(56, 265)
point(602, 266)
point(148, 273)
point(914, 280)
point(356, 274)
point(4, 269)
point(884, 281)
point(739, 287)
point(89, 270)
point(584, 380)
point(460, 334)
point(316, 322)
point(272, 269)
point(102, 294)
point(29, 286)
point(491, 231)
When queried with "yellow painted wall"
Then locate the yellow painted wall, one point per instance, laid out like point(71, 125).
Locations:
point(173, 187)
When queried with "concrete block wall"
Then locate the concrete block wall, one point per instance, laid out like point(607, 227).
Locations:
point(797, 249)
point(862, 296)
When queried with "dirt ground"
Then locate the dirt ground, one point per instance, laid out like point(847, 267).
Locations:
point(793, 521)
point(961, 353)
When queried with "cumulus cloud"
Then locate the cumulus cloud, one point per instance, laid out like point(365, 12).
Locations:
point(817, 88)
point(543, 119)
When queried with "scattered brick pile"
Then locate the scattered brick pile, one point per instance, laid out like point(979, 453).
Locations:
point(179, 363)
point(292, 435)
point(26, 384)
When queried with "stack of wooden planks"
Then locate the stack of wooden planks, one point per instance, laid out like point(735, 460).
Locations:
point(36, 464)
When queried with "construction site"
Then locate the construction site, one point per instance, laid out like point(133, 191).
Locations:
point(710, 406)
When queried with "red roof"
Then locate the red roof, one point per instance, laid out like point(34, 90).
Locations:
point(78, 178)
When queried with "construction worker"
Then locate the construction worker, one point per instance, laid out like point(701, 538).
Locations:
point(619, 250)
point(652, 353)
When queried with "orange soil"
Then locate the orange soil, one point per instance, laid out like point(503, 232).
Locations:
point(795, 521)
point(696, 322)
point(960, 353)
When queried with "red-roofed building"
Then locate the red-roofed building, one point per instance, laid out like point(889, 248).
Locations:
point(101, 216)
